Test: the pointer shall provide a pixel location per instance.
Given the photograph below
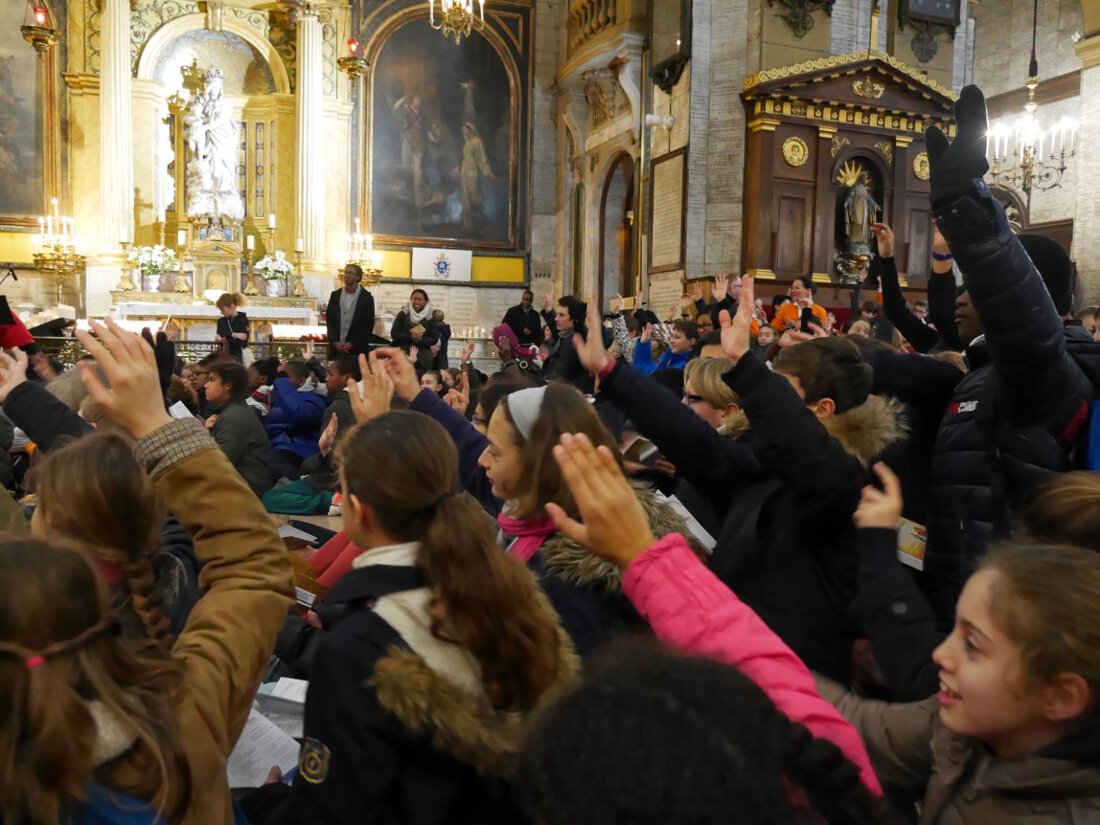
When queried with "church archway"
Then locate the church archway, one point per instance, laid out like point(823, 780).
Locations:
point(617, 231)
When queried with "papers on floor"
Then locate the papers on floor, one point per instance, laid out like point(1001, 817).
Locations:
point(284, 703)
point(261, 746)
point(289, 531)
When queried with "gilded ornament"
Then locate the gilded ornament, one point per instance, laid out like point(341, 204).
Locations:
point(795, 151)
point(865, 87)
point(849, 173)
point(887, 149)
point(920, 166)
point(839, 143)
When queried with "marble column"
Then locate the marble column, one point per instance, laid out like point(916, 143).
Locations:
point(309, 188)
point(1086, 219)
point(116, 154)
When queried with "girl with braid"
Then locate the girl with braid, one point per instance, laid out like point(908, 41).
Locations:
point(94, 730)
point(94, 491)
point(673, 739)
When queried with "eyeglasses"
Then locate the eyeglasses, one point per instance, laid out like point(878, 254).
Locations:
point(200, 373)
point(692, 399)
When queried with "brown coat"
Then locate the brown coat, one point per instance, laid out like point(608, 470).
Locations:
point(963, 782)
point(247, 590)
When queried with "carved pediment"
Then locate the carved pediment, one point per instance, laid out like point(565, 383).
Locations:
point(860, 89)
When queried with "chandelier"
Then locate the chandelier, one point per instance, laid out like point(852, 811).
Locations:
point(1026, 154)
point(457, 17)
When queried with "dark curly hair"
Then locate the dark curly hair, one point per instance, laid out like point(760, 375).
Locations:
point(651, 738)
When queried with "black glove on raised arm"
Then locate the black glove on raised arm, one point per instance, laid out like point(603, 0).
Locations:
point(958, 166)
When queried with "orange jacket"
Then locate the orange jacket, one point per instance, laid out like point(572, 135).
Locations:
point(789, 315)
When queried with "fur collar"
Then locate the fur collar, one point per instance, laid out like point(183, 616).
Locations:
point(112, 739)
point(572, 563)
point(867, 430)
point(459, 722)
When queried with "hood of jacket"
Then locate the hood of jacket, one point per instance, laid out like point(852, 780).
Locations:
point(867, 430)
point(460, 723)
point(569, 561)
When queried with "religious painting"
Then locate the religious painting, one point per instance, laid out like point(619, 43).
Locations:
point(21, 149)
point(445, 139)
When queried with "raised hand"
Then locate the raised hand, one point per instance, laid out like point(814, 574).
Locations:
point(134, 400)
point(592, 355)
point(613, 524)
point(647, 333)
point(616, 304)
point(467, 352)
point(880, 508)
point(696, 291)
point(955, 166)
point(42, 367)
point(721, 284)
point(328, 435)
point(939, 243)
point(737, 331)
point(548, 301)
point(401, 371)
point(377, 393)
point(885, 237)
point(13, 372)
point(792, 336)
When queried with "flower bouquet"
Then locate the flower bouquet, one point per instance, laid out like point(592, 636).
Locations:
point(273, 268)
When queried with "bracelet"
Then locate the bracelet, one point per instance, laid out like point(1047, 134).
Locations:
point(606, 371)
point(937, 256)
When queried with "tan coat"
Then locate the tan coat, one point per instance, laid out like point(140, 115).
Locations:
point(963, 782)
point(247, 590)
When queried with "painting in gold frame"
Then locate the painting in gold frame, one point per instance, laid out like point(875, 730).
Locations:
point(448, 142)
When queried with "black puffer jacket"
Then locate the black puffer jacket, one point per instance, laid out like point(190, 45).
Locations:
point(1012, 420)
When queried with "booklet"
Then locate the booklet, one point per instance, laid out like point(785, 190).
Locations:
point(261, 746)
point(912, 541)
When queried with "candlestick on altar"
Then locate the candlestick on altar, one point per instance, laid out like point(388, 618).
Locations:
point(124, 283)
point(249, 256)
point(299, 286)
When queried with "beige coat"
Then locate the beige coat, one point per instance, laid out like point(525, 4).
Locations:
point(963, 782)
point(247, 590)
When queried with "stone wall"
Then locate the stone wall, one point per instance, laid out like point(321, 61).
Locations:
point(545, 157)
point(852, 25)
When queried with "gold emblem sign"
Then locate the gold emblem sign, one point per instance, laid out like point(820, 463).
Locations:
point(920, 166)
point(313, 761)
point(795, 151)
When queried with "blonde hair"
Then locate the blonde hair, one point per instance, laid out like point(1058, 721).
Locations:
point(229, 299)
point(706, 379)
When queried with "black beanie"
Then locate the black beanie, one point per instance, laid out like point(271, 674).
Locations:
point(1054, 268)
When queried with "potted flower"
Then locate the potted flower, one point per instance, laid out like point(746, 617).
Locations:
point(153, 261)
point(273, 269)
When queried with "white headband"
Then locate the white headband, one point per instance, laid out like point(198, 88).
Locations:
point(524, 407)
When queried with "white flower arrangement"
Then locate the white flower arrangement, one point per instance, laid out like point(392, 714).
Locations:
point(273, 267)
point(154, 260)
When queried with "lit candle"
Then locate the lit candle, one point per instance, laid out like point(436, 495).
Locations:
point(160, 215)
point(299, 245)
point(353, 46)
point(181, 238)
point(41, 225)
point(431, 11)
point(271, 221)
point(250, 243)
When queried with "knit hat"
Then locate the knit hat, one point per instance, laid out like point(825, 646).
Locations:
point(1054, 268)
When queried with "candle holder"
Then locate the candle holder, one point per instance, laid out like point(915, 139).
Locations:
point(124, 283)
point(269, 244)
point(299, 286)
point(249, 257)
point(181, 286)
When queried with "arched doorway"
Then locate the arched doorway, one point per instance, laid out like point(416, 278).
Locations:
point(617, 231)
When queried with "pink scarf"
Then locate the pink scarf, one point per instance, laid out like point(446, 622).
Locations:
point(529, 534)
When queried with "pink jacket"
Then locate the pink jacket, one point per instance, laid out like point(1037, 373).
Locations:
point(689, 608)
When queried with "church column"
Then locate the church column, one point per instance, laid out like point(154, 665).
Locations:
point(309, 190)
point(1086, 222)
point(116, 149)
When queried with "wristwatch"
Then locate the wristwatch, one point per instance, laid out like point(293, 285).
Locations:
point(937, 256)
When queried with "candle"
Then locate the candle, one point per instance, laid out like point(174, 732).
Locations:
point(250, 243)
point(431, 11)
point(181, 238)
point(271, 221)
point(299, 245)
point(160, 215)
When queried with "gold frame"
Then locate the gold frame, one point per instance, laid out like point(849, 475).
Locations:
point(517, 235)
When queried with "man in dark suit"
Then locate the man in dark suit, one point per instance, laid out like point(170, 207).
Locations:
point(350, 316)
point(525, 321)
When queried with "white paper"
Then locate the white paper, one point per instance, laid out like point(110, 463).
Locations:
point(293, 690)
point(261, 746)
point(696, 529)
point(304, 597)
point(289, 531)
point(179, 412)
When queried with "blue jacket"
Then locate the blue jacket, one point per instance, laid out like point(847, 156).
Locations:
point(294, 422)
point(644, 363)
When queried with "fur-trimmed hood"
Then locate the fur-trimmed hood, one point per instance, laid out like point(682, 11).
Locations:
point(569, 561)
point(460, 723)
point(865, 431)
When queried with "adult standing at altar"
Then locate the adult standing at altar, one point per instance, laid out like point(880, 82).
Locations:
point(350, 316)
point(525, 322)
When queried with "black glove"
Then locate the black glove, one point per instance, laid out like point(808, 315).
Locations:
point(955, 166)
point(164, 352)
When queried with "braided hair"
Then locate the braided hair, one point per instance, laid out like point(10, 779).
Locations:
point(651, 738)
point(93, 490)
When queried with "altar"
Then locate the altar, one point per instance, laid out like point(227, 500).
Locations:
point(198, 322)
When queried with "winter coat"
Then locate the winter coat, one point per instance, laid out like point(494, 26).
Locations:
point(1011, 422)
point(562, 362)
point(788, 315)
point(525, 323)
point(362, 323)
point(401, 335)
point(247, 590)
point(294, 422)
point(42, 416)
point(226, 327)
point(785, 492)
point(397, 728)
point(240, 435)
point(643, 359)
point(689, 608)
point(339, 406)
point(962, 781)
point(586, 592)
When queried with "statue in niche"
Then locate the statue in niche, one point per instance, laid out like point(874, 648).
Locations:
point(213, 136)
point(860, 211)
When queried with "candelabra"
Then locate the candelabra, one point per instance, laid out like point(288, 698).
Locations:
point(457, 18)
point(249, 256)
point(61, 263)
point(124, 283)
point(361, 252)
point(299, 286)
point(181, 279)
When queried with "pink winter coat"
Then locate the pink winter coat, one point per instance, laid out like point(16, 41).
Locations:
point(689, 608)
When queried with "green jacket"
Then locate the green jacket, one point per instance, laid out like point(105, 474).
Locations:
point(242, 438)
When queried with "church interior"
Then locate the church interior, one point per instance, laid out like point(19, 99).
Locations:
point(157, 153)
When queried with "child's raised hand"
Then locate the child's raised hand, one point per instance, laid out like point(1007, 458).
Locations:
point(134, 400)
point(737, 331)
point(613, 524)
point(13, 372)
point(377, 391)
point(592, 355)
point(401, 371)
point(880, 508)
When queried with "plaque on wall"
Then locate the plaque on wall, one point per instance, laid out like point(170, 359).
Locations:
point(667, 194)
point(941, 12)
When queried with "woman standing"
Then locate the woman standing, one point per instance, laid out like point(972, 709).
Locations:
point(415, 326)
